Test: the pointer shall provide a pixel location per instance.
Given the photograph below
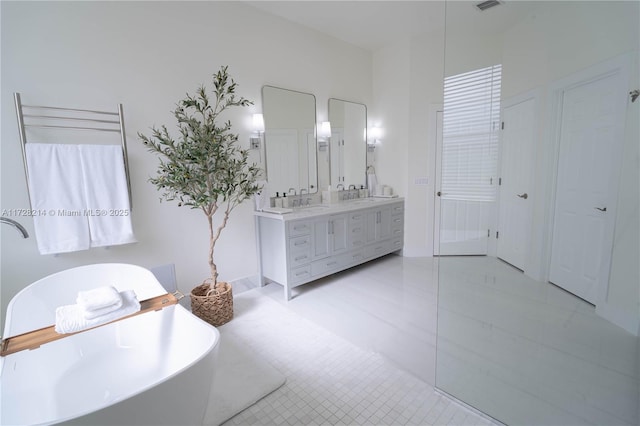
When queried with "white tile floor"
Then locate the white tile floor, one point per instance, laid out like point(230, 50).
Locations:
point(490, 318)
point(329, 379)
point(387, 306)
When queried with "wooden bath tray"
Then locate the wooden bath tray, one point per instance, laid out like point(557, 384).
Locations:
point(34, 339)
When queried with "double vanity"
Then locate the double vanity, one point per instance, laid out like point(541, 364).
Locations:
point(313, 242)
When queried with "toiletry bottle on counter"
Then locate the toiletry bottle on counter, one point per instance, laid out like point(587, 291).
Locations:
point(285, 200)
point(278, 200)
point(326, 196)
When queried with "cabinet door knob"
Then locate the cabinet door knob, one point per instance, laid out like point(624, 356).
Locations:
point(602, 209)
point(525, 195)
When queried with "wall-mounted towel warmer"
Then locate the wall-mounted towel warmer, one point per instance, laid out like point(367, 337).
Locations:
point(28, 116)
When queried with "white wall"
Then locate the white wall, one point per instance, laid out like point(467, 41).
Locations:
point(408, 82)
point(426, 77)
point(390, 111)
point(147, 55)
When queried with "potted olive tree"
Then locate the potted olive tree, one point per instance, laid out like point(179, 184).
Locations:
point(204, 168)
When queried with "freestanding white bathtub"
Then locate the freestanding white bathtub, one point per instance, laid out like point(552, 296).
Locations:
point(156, 368)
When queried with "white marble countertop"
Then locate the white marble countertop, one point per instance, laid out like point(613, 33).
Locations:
point(335, 208)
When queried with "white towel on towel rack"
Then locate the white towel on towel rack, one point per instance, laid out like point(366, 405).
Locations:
point(106, 195)
point(57, 197)
point(372, 184)
point(80, 196)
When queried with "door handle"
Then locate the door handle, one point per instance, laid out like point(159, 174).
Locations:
point(439, 194)
point(602, 209)
point(525, 195)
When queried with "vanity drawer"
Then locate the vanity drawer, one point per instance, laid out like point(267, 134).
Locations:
point(298, 275)
point(320, 267)
point(298, 244)
point(299, 227)
point(299, 258)
point(396, 244)
point(357, 236)
point(397, 209)
point(355, 258)
point(376, 250)
point(356, 218)
point(397, 226)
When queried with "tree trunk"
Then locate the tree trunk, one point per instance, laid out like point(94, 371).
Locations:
point(212, 243)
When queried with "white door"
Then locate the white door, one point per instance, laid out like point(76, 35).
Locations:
point(461, 226)
point(590, 150)
point(515, 209)
point(469, 152)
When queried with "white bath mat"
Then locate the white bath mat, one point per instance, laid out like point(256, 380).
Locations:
point(242, 379)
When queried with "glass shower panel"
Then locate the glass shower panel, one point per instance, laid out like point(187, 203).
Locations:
point(510, 343)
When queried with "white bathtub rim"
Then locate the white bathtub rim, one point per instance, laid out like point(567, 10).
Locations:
point(8, 316)
point(215, 341)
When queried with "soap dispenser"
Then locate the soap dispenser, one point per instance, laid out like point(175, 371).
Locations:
point(277, 201)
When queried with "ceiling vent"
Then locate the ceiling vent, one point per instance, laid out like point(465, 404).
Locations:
point(487, 5)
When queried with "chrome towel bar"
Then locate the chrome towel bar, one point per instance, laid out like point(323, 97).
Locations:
point(115, 125)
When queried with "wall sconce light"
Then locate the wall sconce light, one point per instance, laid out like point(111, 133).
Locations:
point(375, 133)
point(324, 133)
point(258, 130)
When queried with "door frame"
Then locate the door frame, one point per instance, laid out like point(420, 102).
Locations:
point(617, 65)
point(433, 231)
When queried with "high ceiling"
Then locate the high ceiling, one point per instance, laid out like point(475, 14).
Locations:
point(375, 24)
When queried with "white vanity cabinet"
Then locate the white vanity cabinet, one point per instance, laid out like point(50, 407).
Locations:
point(378, 224)
point(329, 236)
point(308, 244)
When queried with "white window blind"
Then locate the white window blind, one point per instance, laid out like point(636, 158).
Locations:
point(471, 124)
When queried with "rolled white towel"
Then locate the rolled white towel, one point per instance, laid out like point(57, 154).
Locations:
point(71, 319)
point(101, 311)
point(99, 298)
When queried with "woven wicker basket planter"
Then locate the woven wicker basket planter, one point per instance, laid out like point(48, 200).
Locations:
point(213, 305)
